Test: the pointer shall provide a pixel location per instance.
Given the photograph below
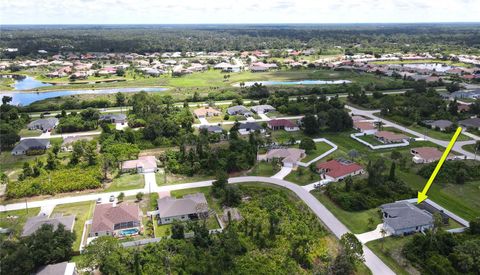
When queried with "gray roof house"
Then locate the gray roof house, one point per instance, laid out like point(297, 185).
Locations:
point(186, 208)
point(470, 123)
point(63, 268)
point(212, 128)
point(34, 223)
point(43, 124)
point(441, 124)
point(466, 94)
point(113, 118)
point(249, 127)
point(239, 110)
point(402, 217)
point(26, 145)
point(262, 109)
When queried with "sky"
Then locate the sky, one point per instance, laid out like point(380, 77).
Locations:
point(236, 11)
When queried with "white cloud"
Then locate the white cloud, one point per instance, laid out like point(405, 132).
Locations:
point(229, 11)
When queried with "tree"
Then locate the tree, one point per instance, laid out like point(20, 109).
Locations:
point(383, 233)
point(307, 144)
point(342, 265)
point(453, 107)
point(139, 196)
point(52, 161)
point(348, 184)
point(97, 252)
point(475, 226)
point(310, 124)
point(178, 230)
point(232, 195)
point(352, 247)
point(218, 186)
point(120, 196)
point(6, 99)
point(120, 99)
point(391, 176)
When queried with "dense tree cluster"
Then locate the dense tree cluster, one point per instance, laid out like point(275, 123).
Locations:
point(452, 171)
point(76, 122)
point(11, 122)
point(377, 189)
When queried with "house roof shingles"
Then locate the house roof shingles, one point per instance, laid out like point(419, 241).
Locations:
point(28, 144)
point(106, 216)
point(34, 223)
point(281, 123)
point(336, 169)
point(405, 215)
point(171, 207)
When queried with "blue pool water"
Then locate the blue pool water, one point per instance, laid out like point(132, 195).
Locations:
point(298, 82)
point(25, 98)
point(128, 232)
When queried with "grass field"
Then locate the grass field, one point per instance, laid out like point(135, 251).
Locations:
point(177, 179)
point(321, 147)
point(29, 133)
point(82, 211)
point(302, 176)
point(370, 139)
point(264, 169)
point(357, 222)
point(437, 134)
point(126, 182)
point(15, 220)
point(470, 148)
point(389, 250)
point(446, 62)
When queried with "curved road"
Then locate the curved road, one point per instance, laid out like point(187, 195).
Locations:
point(329, 220)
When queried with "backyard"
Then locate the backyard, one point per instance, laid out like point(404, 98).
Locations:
point(15, 220)
point(126, 182)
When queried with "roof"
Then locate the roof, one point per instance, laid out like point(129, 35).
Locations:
point(212, 128)
point(281, 123)
point(471, 122)
point(390, 135)
point(238, 109)
point(286, 154)
point(428, 153)
point(34, 223)
point(44, 123)
point(204, 110)
point(363, 125)
point(405, 215)
point(106, 216)
point(442, 123)
point(250, 126)
point(72, 139)
point(146, 162)
point(32, 143)
point(63, 268)
point(113, 117)
point(339, 168)
point(189, 204)
point(262, 108)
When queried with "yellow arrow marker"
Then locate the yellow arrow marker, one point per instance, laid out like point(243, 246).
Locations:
point(423, 195)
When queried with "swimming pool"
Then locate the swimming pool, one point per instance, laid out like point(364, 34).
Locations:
point(128, 232)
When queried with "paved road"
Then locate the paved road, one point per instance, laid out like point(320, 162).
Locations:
point(330, 221)
point(78, 134)
point(457, 147)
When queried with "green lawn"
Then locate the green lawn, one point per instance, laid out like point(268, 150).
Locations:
point(371, 139)
point(437, 134)
point(463, 200)
point(82, 211)
point(357, 221)
point(16, 219)
point(470, 148)
point(126, 182)
point(264, 169)
point(391, 254)
point(177, 179)
point(321, 147)
point(302, 176)
point(29, 133)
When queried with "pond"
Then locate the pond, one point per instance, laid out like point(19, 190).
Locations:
point(296, 82)
point(28, 83)
point(26, 98)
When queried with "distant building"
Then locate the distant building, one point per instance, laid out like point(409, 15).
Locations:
point(262, 109)
point(44, 124)
point(190, 207)
point(206, 112)
point(390, 137)
point(34, 223)
point(336, 170)
point(427, 155)
point(120, 220)
point(63, 268)
point(365, 127)
point(114, 118)
point(442, 124)
point(239, 110)
point(212, 128)
point(250, 127)
point(282, 124)
point(471, 123)
point(27, 145)
point(401, 218)
point(144, 164)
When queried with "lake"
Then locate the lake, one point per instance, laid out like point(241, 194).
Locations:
point(26, 98)
point(28, 83)
point(297, 82)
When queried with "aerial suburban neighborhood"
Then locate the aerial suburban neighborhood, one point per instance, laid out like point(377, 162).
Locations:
point(239, 148)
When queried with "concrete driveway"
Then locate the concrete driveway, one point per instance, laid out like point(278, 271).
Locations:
point(282, 173)
point(371, 235)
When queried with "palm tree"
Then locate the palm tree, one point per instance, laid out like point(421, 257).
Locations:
point(383, 233)
point(477, 148)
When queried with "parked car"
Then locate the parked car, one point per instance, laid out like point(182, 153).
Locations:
point(112, 198)
point(99, 200)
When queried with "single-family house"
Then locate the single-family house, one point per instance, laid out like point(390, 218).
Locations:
point(227, 67)
point(288, 156)
point(390, 137)
point(427, 155)
point(118, 220)
point(282, 124)
point(401, 218)
point(63, 268)
point(336, 170)
point(239, 110)
point(262, 109)
point(441, 124)
point(67, 144)
point(470, 123)
point(212, 128)
point(34, 223)
point(144, 164)
point(31, 144)
point(250, 127)
point(206, 112)
point(190, 207)
point(365, 127)
point(43, 124)
point(114, 118)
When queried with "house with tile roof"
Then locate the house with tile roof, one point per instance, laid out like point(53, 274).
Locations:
point(336, 170)
point(402, 217)
point(288, 156)
point(428, 155)
point(365, 127)
point(143, 164)
point(116, 220)
point(190, 207)
point(282, 124)
point(206, 112)
point(390, 137)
